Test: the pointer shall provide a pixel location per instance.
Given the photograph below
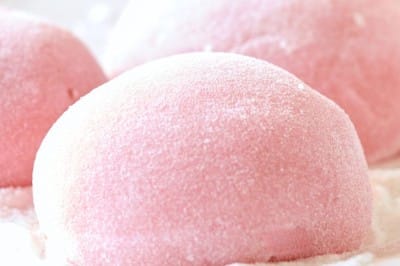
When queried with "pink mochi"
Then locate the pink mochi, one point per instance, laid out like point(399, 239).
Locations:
point(43, 70)
point(347, 50)
point(201, 159)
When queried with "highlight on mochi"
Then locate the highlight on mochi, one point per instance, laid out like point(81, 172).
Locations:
point(201, 159)
point(44, 69)
point(347, 50)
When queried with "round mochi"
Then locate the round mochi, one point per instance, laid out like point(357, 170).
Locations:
point(347, 50)
point(201, 159)
point(44, 69)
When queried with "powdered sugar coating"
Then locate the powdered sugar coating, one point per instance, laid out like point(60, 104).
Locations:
point(201, 159)
point(15, 198)
point(43, 70)
point(347, 50)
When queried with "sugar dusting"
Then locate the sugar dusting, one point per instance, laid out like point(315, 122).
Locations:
point(383, 245)
point(21, 245)
point(359, 19)
point(18, 226)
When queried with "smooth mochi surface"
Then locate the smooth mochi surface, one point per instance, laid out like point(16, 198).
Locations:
point(201, 159)
point(43, 70)
point(347, 50)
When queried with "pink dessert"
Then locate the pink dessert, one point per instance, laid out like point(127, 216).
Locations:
point(347, 50)
point(201, 159)
point(44, 69)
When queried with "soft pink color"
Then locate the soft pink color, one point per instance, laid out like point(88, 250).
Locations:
point(201, 159)
point(15, 198)
point(43, 70)
point(347, 50)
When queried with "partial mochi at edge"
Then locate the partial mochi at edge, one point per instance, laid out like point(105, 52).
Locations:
point(347, 50)
point(201, 158)
point(44, 70)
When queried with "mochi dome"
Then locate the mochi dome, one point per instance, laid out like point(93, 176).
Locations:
point(201, 159)
point(43, 70)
